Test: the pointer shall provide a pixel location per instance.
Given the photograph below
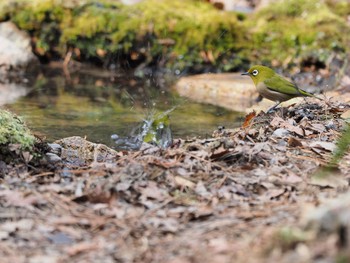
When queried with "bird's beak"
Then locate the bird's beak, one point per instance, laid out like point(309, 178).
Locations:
point(245, 73)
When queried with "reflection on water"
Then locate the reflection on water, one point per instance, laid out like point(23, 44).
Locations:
point(96, 104)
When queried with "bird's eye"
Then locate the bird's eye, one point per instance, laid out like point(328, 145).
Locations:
point(255, 72)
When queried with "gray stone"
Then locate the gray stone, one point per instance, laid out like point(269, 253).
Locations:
point(15, 48)
point(55, 148)
point(280, 133)
point(10, 92)
point(52, 158)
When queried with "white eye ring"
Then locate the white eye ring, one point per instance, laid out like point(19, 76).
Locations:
point(255, 72)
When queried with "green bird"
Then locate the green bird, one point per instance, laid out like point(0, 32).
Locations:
point(274, 87)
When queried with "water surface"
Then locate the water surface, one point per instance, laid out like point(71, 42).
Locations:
point(96, 104)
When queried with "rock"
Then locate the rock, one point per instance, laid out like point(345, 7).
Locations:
point(52, 158)
point(231, 91)
point(55, 148)
point(15, 48)
point(330, 125)
point(280, 133)
point(10, 92)
point(77, 152)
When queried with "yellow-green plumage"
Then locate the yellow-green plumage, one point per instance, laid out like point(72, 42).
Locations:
point(274, 87)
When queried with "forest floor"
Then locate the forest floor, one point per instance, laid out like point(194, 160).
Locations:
point(250, 194)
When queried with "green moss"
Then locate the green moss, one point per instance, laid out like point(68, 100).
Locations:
point(157, 29)
point(14, 131)
point(342, 147)
point(289, 237)
point(182, 35)
point(287, 30)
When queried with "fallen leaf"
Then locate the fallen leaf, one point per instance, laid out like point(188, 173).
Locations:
point(23, 224)
point(202, 191)
point(152, 191)
point(296, 129)
point(279, 122)
point(123, 186)
point(332, 181)
point(275, 193)
point(202, 211)
point(276, 121)
point(327, 177)
point(219, 245)
point(248, 119)
point(81, 247)
point(220, 154)
point(4, 235)
point(293, 142)
point(184, 182)
point(18, 199)
point(328, 146)
point(165, 224)
point(318, 127)
point(292, 178)
point(346, 115)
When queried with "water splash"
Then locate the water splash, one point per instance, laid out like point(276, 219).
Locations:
point(155, 129)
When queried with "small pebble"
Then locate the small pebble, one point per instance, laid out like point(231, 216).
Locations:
point(330, 125)
point(55, 148)
point(280, 133)
point(52, 158)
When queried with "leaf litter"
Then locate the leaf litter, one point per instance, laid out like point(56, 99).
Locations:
point(202, 200)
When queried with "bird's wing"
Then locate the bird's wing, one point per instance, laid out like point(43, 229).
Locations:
point(279, 84)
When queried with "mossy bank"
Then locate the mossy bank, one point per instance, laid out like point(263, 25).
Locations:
point(180, 35)
point(15, 137)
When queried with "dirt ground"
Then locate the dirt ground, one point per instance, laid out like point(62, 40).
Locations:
point(251, 194)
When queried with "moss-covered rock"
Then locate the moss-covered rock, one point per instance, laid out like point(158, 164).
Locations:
point(287, 31)
point(174, 33)
point(182, 34)
point(14, 131)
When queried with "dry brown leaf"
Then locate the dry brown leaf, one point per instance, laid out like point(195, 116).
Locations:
point(318, 127)
point(202, 191)
point(22, 224)
point(18, 199)
point(153, 191)
point(328, 146)
point(276, 121)
point(346, 115)
point(292, 178)
point(202, 211)
point(248, 119)
point(82, 247)
point(293, 142)
point(332, 180)
point(279, 122)
point(220, 153)
point(179, 180)
point(275, 193)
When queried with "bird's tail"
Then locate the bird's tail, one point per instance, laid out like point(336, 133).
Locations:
point(307, 94)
